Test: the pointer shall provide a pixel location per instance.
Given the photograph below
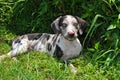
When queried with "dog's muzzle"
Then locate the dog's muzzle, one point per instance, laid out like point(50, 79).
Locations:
point(70, 36)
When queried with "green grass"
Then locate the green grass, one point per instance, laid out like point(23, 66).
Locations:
point(40, 66)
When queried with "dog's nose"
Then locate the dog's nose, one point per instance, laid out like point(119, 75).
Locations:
point(71, 34)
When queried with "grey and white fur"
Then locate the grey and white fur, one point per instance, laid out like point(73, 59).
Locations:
point(64, 44)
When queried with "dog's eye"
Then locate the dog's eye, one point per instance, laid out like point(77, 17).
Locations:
point(75, 24)
point(64, 24)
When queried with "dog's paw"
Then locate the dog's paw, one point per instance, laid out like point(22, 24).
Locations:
point(73, 69)
point(14, 58)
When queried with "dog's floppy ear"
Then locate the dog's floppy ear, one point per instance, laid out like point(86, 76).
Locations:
point(55, 25)
point(82, 24)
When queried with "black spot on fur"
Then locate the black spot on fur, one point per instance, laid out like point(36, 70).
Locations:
point(58, 52)
point(59, 40)
point(17, 41)
point(34, 36)
point(54, 39)
point(61, 20)
point(45, 37)
point(54, 28)
point(49, 47)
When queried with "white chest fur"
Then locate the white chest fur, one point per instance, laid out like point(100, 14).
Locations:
point(70, 49)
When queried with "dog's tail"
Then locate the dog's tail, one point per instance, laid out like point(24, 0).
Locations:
point(2, 57)
point(9, 42)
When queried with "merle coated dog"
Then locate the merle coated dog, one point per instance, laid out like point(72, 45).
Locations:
point(64, 44)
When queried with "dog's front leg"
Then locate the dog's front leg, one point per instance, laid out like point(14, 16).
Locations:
point(72, 68)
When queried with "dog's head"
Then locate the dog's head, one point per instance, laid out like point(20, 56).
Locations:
point(68, 26)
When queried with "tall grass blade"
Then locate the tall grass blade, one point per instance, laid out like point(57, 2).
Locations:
point(91, 27)
point(106, 52)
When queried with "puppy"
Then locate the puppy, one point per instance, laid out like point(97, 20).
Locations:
point(64, 44)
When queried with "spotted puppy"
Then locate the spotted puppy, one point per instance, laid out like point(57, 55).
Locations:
point(63, 45)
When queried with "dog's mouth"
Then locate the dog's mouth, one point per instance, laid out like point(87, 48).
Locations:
point(70, 38)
